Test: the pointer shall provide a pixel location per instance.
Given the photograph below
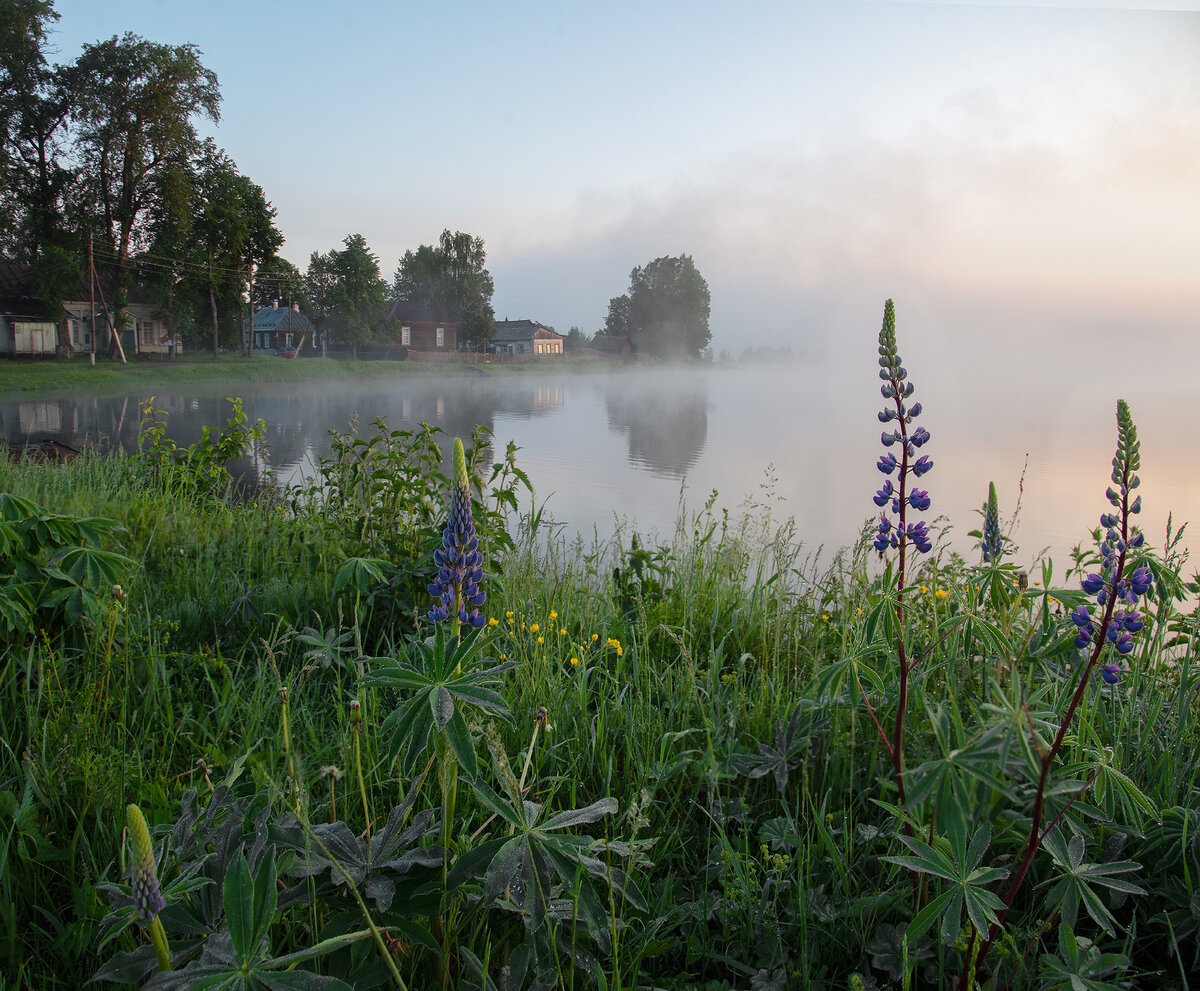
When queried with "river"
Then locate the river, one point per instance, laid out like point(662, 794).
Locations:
point(636, 443)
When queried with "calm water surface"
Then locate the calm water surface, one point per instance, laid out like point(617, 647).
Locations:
point(634, 443)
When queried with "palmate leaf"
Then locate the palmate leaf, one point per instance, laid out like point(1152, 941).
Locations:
point(392, 855)
point(1076, 883)
point(955, 862)
point(446, 678)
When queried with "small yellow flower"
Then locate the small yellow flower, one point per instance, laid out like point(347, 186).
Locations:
point(541, 639)
point(825, 617)
point(504, 657)
point(553, 614)
point(595, 637)
point(493, 621)
point(858, 611)
point(509, 614)
point(941, 593)
point(562, 632)
point(574, 662)
point(534, 628)
point(922, 589)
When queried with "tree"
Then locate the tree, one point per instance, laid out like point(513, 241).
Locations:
point(201, 250)
point(666, 308)
point(35, 103)
point(357, 292)
point(450, 279)
point(136, 103)
point(576, 340)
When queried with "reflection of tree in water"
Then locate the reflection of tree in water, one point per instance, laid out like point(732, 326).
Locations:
point(666, 422)
point(298, 418)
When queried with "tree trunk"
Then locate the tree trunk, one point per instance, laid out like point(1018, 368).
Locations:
point(212, 302)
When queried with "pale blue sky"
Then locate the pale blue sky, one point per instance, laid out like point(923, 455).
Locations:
point(1023, 170)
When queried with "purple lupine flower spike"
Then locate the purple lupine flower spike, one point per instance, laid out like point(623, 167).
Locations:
point(1112, 583)
point(147, 896)
point(903, 440)
point(459, 560)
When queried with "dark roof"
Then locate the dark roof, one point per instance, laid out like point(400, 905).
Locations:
point(610, 343)
point(16, 295)
point(519, 330)
point(282, 318)
point(410, 311)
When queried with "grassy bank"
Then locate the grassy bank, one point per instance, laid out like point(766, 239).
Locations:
point(652, 766)
point(111, 377)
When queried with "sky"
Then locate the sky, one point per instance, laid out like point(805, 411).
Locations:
point(1016, 176)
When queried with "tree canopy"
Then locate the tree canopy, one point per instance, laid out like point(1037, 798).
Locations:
point(666, 309)
point(450, 278)
point(134, 105)
point(352, 293)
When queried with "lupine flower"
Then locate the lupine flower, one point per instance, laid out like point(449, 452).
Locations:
point(992, 542)
point(459, 560)
point(146, 894)
point(896, 496)
point(1119, 538)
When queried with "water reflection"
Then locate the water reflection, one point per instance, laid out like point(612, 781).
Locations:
point(666, 427)
point(629, 443)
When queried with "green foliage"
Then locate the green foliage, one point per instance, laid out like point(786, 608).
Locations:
point(450, 280)
point(666, 309)
point(445, 676)
point(204, 465)
point(55, 573)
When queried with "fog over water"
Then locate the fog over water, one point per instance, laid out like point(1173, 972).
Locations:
point(802, 438)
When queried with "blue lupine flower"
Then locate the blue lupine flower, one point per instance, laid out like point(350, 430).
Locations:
point(459, 561)
point(1111, 673)
point(1119, 538)
point(992, 543)
point(147, 896)
point(897, 389)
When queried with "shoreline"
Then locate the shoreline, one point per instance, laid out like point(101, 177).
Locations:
point(108, 377)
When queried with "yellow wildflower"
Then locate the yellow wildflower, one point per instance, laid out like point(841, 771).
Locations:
point(922, 589)
point(534, 628)
point(595, 637)
point(553, 614)
point(493, 621)
point(574, 662)
point(562, 632)
point(941, 593)
point(541, 639)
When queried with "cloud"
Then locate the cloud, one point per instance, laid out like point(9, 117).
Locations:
point(973, 206)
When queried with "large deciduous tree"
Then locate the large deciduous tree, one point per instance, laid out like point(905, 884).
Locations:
point(666, 309)
point(136, 106)
point(35, 184)
point(450, 278)
point(356, 292)
point(202, 248)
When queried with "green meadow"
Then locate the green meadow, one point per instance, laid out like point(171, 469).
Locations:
point(720, 760)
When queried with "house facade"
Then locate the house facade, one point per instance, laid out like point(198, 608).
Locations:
point(525, 337)
point(419, 329)
point(27, 328)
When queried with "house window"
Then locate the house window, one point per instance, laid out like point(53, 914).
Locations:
point(441, 337)
point(406, 336)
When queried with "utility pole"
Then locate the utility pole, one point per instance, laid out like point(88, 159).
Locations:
point(246, 336)
point(92, 291)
